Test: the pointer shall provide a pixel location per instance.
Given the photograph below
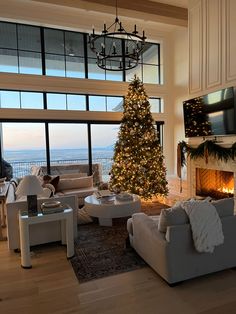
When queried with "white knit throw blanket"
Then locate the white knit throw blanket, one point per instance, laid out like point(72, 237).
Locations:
point(205, 223)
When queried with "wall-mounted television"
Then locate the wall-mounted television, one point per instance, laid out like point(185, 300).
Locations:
point(212, 114)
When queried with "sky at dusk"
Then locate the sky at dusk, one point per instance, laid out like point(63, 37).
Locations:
point(17, 136)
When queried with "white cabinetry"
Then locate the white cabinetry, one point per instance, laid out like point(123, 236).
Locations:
point(230, 22)
point(195, 48)
point(212, 45)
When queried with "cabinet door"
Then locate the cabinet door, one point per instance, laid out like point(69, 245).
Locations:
point(213, 40)
point(230, 9)
point(195, 48)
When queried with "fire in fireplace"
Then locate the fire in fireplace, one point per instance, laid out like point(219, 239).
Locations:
point(215, 183)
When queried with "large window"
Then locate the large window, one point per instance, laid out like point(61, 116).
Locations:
point(63, 143)
point(38, 50)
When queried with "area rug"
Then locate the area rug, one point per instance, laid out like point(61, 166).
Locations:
point(103, 251)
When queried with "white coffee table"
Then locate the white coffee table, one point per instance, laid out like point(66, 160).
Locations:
point(105, 211)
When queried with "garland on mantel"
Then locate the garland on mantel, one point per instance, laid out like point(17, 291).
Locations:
point(204, 150)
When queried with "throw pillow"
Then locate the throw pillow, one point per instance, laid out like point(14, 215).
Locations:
point(46, 193)
point(172, 216)
point(83, 217)
point(47, 179)
point(51, 188)
point(224, 207)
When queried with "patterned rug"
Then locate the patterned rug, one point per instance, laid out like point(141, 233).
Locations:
point(102, 251)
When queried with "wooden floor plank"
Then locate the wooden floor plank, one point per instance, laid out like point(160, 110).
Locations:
point(51, 287)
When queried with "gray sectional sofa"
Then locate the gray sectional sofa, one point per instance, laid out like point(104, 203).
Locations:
point(165, 243)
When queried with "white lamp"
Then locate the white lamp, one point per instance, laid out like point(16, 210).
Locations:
point(31, 187)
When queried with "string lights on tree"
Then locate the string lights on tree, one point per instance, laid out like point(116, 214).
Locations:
point(138, 162)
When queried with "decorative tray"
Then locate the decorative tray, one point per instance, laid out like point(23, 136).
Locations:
point(51, 204)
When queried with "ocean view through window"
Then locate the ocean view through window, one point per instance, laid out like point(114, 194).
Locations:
point(22, 160)
point(68, 144)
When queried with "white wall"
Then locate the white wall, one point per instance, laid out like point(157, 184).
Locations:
point(180, 85)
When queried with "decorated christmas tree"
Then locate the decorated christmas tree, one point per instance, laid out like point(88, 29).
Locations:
point(138, 165)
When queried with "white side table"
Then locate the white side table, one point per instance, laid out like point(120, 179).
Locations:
point(66, 219)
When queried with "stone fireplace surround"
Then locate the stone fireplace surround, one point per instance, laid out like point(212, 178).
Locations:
point(214, 164)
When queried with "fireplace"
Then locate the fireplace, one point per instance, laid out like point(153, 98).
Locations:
point(215, 183)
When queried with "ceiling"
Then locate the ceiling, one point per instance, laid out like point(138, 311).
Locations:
point(163, 11)
point(177, 3)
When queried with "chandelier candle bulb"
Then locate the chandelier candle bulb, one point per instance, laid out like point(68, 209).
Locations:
point(114, 48)
point(105, 29)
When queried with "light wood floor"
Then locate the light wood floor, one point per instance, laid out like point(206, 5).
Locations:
point(51, 287)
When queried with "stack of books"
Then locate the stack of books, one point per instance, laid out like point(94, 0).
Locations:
point(103, 194)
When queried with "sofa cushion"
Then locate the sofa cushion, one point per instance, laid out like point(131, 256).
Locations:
point(75, 183)
point(224, 207)
point(73, 175)
point(172, 216)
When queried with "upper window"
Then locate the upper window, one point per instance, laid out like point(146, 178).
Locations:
point(105, 103)
point(20, 99)
point(20, 49)
point(64, 53)
point(37, 50)
point(66, 101)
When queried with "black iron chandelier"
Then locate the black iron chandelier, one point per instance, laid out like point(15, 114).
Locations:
point(115, 48)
